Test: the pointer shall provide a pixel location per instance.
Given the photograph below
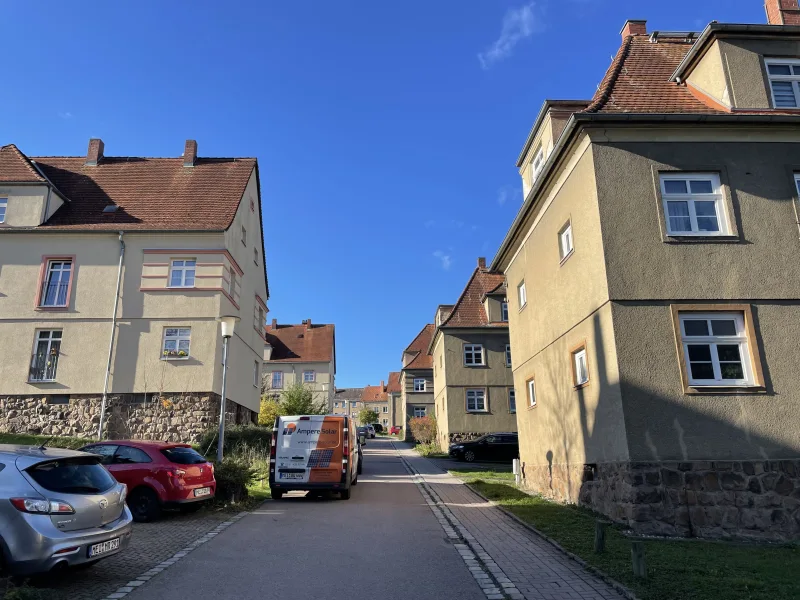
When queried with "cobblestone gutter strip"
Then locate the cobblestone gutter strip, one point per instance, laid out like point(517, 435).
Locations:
point(149, 574)
point(594, 570)
point(489, 576)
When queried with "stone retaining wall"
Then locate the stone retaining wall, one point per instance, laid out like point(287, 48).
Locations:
point(175, 418)
point(465, 437)
point(758, 500)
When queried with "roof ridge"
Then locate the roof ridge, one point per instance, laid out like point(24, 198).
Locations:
point(610, 78)
point(416, 337)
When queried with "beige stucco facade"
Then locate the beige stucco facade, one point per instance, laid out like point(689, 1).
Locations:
point(146, 305)
point(322, 387)
point(414, 403)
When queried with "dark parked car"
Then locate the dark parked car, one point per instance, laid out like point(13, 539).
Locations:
point(378, 427)
point(158, 475)
point(363, 434)
point(502, 447)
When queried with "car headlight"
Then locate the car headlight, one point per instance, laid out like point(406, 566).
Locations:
point(459, 447)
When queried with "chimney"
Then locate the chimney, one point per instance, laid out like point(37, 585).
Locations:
point(782, 12)
point(481, 262)
point(633, 27)
point(308, 323)
point(274, 323)
point(382, 385)
point(95, 152)
point(190, 153)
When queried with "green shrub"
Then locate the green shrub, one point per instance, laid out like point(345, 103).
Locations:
point(233, 475)
point(236, 437)
point(423, 429)
point(429, 449)
point(27, 593)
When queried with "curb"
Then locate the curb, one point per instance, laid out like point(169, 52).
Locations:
point(594, 570)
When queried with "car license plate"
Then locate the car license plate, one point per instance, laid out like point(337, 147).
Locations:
point(104, 547)
point(202, 492)
point(292, 475)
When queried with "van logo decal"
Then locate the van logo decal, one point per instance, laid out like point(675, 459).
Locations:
point(289, 429)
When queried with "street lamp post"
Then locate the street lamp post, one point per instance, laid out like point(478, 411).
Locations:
point(227, 324)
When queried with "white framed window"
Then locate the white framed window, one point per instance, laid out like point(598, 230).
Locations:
point(176, 343)
point(3, 208)
point(260, 319)
point(504, 312)
point(797, 182)
point(512, 401)
point(385, 409)
point(55, 286)
point(715, 348)
point(420, 411)
point(565, 246)
point(693, 204)
point(476, 400)
point(508, 355)
point(309, 376)
point(276, 382)
point(256, 378)
point(580, 367)
point(46, 350)
point(784, 82)
point(181, 273)
point(537, 163)
point(473, 355)
point(531, 385)
point(244, 236)
point(386, 421)
point(419, 384)
point(522, 295)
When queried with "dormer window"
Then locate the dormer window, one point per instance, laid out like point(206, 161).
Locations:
point(504, 312)
point(536, 164)
point(784, 81)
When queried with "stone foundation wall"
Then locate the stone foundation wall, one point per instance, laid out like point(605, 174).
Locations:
point(757, 500)
point(174, 418)
point(464, 437)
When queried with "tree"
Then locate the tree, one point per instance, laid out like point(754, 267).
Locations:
point(423, 429)
point(299, 400)
point(367, 416)
point(270, 410)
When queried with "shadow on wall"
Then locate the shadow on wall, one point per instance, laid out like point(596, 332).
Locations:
point(690, 474)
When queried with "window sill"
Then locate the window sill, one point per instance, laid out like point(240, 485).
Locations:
point(36, 381)
point(566, 258)
point(532, 406)
point(175, 357)
point(724, 389)
point(477, 412)
point(474, 366)
point(580, 386)
point(701, 239)
point(52, 308)
point(521, 308)
point(179, 287)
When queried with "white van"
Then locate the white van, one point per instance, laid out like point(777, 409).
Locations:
point(315, 452)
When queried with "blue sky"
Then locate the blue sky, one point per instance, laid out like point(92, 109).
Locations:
point(386, 133)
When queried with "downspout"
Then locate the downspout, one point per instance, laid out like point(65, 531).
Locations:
point(104, 404)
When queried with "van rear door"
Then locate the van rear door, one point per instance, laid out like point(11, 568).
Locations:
point(309, 450)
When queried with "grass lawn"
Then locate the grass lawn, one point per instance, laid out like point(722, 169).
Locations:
point(677, 570)
point(36, 440)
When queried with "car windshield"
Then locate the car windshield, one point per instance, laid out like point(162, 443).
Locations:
point(183, 456)
point(80, 475)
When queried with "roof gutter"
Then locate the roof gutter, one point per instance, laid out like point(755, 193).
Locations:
point(579, 120)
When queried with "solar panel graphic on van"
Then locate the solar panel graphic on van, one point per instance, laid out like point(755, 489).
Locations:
point(320, 458)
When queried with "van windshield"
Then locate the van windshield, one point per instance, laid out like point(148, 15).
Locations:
point(311, 435)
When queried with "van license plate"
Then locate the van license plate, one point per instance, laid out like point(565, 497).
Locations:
point(202, 492)
point(104, 547)
point(291, 475)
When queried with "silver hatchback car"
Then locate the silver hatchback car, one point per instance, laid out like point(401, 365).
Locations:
point(58, 508)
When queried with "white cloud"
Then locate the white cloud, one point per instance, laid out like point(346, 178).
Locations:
point(445, 259)
point(506, 193)
point(65, 114)
point(518, 24)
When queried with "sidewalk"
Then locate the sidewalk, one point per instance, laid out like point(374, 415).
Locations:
point(534, 566)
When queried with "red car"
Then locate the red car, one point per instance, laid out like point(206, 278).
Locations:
point(158, 475)
point(395, 430)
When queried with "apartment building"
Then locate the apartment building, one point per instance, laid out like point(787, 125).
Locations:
point(416, 379)
point(654, 285)
point(347, 401)
point(304, 353)
point(376, 398)
point(394, 391)
point(113, 273)
point(473, 385)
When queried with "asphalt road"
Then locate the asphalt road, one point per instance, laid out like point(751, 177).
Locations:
point(382, 543)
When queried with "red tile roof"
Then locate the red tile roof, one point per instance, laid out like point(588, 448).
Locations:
point(374, 393)
point(469, 311)
point(393, 386)
point(16, 167)
point(298, 343)
point(151, 193)
point(422, 360)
